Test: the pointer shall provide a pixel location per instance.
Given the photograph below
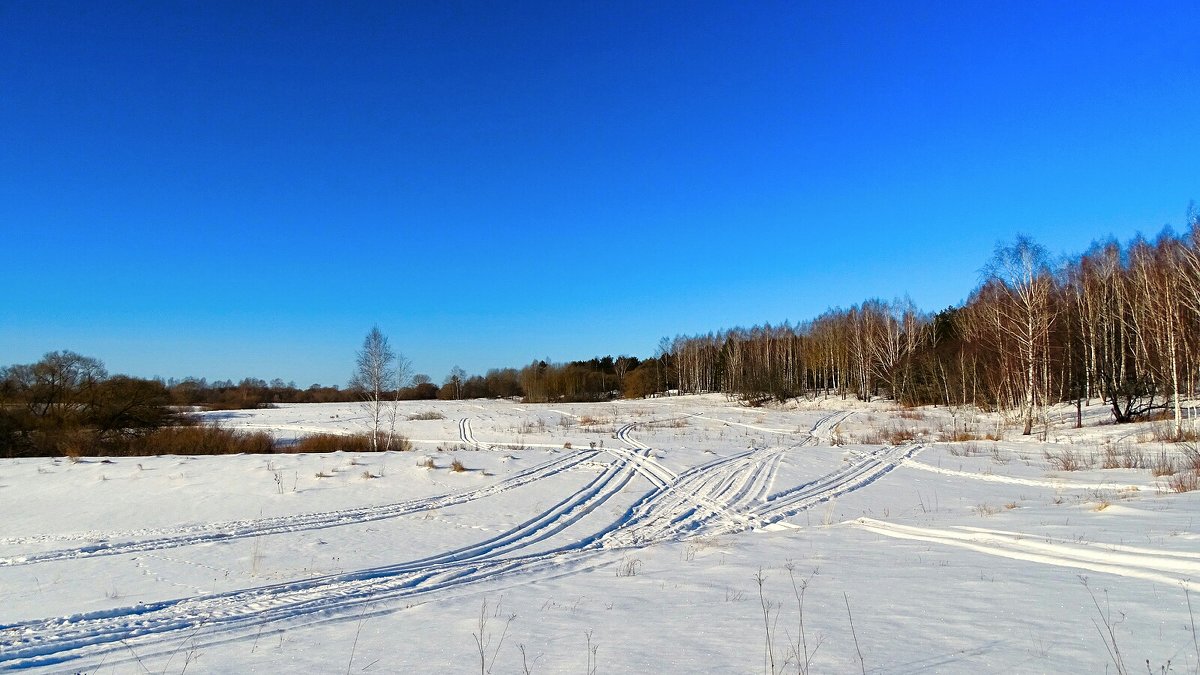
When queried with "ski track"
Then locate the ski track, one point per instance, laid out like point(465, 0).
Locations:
point(1135, 562)
point(50, 641)
point(728, 494)
point(858, 473)
point(227, 531)
point(1056, 483)
point(465, 433)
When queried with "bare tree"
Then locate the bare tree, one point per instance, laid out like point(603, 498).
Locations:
point(455, 379)
point(375, 380)
point(621, 366)
point(1022, 271)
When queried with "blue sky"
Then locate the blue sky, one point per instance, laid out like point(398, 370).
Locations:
point(232, 189)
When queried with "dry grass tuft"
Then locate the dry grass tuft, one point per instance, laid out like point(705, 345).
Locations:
point(457, 466)
point(1184, 481)
point(1163, 465)
point(1124, 457)
point(872, 437)
point(957, 436)
point(1069, 460)
point(1191, 458)
point(985, 510)
point(964, 450)
point(1164, 432)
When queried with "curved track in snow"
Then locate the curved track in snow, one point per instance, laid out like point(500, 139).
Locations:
point(725, 495)
point(240, 529)
point(1167, 567)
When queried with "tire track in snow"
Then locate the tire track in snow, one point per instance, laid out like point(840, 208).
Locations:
point(858, 473)
point(623, 436)
point(1056, 483)
point(658, 475)
point(1188, 555)
point(826, 425)
point(689, 504)
point(465, 433)
point(51, 641)
point(698, 500)
point(232, 530)
point(733, 490)
point(1126, 561)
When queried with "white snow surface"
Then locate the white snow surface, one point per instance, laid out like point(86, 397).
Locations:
point(627, 537)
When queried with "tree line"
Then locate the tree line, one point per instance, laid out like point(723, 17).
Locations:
point(1120, 323)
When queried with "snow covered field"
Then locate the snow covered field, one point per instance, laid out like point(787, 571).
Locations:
point(669, 535)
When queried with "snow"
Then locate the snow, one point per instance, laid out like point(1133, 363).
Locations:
point(634, 527)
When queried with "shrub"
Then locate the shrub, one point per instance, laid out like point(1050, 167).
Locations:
point(899, 435)
point(1125, 457)
point(318, 443)
point(1191, 458)
point(198, 440)
point(427, 415)
point(1184, 481)
point(1164, 432)
point(1068, 460)
point(872, 437)
point(1163, 465)
point(957, 436)
point(457, 466)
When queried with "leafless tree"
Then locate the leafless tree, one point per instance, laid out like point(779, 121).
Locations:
point(455, 380)
point(1022, 271)
point(377, 378)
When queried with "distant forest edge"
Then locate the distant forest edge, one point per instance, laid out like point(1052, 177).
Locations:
point(1120, 323)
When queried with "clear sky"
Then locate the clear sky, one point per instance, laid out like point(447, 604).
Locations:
point(232, 189)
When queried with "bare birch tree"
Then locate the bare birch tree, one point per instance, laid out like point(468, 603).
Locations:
point(377, 381)
point(1022, 270)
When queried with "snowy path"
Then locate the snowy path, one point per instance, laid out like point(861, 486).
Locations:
point(1169, 567)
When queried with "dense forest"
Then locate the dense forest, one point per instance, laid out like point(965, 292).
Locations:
point(1118, 323)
